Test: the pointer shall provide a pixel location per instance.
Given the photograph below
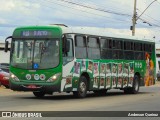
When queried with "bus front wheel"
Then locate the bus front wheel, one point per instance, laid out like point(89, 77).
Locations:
point(82, 88)
point(135, 88)
point(39, 94)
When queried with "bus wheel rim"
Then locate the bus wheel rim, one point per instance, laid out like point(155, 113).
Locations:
point(82, 87)
point(136, 85)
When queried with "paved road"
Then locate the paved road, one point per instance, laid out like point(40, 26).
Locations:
point(148, 99)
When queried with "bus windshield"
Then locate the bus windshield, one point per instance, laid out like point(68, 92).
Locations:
point(35, 54)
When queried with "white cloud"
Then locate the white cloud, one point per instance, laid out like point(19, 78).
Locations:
point(3, 21)
point(33, 12)
point(6, 6)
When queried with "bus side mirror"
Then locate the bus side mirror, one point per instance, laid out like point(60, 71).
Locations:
point(6, 46)
point(67, 46)
point(7, 43)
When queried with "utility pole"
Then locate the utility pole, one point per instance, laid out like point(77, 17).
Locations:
point(134, 19)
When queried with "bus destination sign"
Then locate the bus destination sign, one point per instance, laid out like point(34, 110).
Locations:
point(35, 33)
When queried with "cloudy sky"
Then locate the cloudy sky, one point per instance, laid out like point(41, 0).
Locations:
point(113, 15)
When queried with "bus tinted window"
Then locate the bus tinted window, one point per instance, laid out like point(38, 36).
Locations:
point(139, 55)
point(81, 52)
point(117, 54)
point(104, 43)
point(80, 41)
point(119, 45)
point(128, 45)
point(129, 55)
point(80, 47)
point(93, 53)
point(138, 46)
point(93, 48)
point(106, 54)
point(148, 47)
point(93, 42)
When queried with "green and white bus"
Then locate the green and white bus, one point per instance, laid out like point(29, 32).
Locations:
point(57, 58)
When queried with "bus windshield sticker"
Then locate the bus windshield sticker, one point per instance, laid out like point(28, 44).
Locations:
point(35, 66)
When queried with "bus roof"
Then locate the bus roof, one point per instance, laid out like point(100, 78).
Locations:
point(102, 32)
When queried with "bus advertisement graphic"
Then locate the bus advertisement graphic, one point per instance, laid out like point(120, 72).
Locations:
point(120, 75)
point(114, 74)
point(79, 62)
point(102, 75)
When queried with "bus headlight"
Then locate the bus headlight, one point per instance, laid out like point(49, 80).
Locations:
point(54, 77)
point(15, 78)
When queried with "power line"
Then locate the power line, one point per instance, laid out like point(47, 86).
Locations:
point(145, 9)
point(135, 18)
point(45, 3)
point(150, 17)
point(158, 1)
point(108, 11)
point(117, 20)
point(149, 23)
point(98, 9)
point(108, 6)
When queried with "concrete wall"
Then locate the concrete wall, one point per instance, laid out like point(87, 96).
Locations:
point(4, 57)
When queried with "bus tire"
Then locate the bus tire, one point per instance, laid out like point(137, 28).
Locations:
point(6, 86)
point(39, 94)
point(82, 88)
point(135, 88)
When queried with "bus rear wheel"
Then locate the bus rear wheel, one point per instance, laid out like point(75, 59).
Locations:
point(82, 88)
point(39, 94)
point(135, 88)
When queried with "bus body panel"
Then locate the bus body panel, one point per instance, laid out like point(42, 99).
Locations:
point(103, 73)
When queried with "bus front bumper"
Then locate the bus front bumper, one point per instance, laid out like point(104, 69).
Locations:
point(34, 87)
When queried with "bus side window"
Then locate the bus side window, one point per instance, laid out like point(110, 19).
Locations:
point(110, 43)
point(67, 57)
point(128, 50)
point(80, 47)
point(138, 51)
point(93, 48)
